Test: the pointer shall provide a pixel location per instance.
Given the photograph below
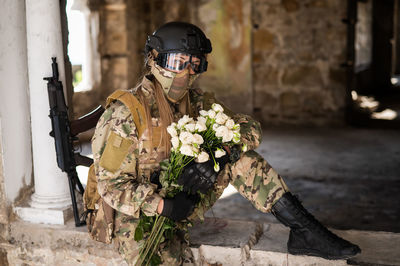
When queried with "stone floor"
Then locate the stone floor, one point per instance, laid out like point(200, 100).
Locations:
point(213, 242)
point(348, 178)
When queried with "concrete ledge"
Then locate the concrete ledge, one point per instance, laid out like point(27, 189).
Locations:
point(48, 216)
point(233, 242)
point(214, 242)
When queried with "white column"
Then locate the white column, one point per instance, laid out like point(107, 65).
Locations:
point(15, 131)
point(51, 200)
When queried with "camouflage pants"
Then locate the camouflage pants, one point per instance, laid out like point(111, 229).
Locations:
point(257, 181)
point(251, 175)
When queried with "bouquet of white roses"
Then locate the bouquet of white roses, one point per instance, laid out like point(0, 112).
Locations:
point(192, 139)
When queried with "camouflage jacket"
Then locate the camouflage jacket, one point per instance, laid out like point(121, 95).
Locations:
point(123, 162)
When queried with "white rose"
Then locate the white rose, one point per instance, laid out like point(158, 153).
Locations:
point(236, 127)
point(230, 123)
point(203, 113)
point(184, 120)
point(186, 137)
point(187, 150)
point(211, 114)
point(201, 119)
point(198, 139)
point(172, 131)
point(200, 127)
point(217, 107)
point(221, 131)
point(202, 157)
point(175, 142)
point(215, 126)
point(220, 118)
point(228, 136)
point(219, 153)
point(181, 124)
point(190, 127)
point(216, 167)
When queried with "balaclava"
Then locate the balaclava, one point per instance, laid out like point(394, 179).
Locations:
point(175, 85)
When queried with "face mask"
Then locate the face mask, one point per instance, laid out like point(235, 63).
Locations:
point(175, 85)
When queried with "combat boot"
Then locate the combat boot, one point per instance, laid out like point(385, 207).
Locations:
point(307, 235)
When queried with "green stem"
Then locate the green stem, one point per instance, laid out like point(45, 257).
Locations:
point(155, 246)
point(158, 226)
point(211, 152)
point(149, 240)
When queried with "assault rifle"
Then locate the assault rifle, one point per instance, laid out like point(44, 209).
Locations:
point(64, 134)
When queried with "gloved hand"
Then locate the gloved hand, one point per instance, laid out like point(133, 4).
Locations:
point(155, 179)
point(235, 153)
point(179, 207)
point(200, 177)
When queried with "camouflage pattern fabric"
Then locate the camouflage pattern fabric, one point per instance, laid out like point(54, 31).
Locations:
point(123, 164)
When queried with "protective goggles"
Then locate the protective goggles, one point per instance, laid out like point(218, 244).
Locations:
point(179, 61)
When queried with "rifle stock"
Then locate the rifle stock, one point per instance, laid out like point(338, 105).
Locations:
point(87, 121)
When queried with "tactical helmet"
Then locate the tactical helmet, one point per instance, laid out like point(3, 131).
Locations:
point(179, 37)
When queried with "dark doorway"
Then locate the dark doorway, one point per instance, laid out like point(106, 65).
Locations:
point(375, 86)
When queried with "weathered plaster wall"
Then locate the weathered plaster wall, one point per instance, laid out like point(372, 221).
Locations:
point(298, 47)
point(277, 59)
point(228, 25)
point(124, 27)
point(113, 55)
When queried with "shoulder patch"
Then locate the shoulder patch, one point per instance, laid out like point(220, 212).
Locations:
point(116, 150)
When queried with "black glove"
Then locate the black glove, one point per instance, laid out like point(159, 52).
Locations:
point(235, 151)
point(155, 179)
point(179, 207)
point(198, 177)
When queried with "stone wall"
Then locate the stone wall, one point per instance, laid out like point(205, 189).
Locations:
point(298, 47)
point(276, 59)
point(228, 25)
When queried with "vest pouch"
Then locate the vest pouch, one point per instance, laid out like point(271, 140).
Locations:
point(99, 215)
point(100, 222)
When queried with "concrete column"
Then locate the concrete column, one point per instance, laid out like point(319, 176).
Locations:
point(15, 132)
point(51, 200)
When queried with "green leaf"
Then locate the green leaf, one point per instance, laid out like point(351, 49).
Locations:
point(138, 234)
point(167, 226)
point(155, 260)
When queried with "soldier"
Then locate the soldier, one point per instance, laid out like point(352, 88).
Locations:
point(131, 139)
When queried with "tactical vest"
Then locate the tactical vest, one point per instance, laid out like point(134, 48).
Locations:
point(147, 162)
point(91, 196)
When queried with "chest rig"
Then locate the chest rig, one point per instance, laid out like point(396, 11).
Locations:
point(150, 138)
